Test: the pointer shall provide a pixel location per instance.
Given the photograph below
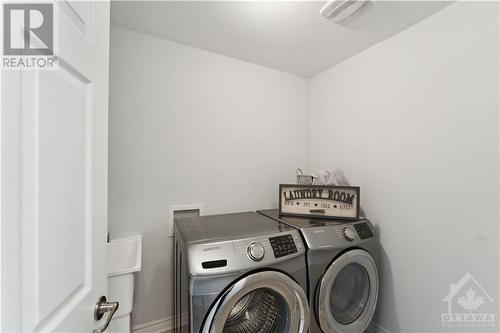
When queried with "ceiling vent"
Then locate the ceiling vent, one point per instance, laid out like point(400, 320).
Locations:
point(342, 11)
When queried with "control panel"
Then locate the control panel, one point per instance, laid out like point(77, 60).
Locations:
point(256, 251)
point(364, 231)
point(339, 235)
point(229, 256)
point(348, 234)
point(283, 245)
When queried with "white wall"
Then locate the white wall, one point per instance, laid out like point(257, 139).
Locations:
point(189, 126)
point(414, 121)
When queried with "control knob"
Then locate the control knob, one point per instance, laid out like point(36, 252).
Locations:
point(348, 234)
point(255, 251)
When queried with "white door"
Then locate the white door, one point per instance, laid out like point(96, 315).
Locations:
point(54, 180)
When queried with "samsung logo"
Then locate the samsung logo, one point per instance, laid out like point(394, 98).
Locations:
point(211, 248)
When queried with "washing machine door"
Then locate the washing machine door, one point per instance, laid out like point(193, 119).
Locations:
point(347, 293)
point(264, 302)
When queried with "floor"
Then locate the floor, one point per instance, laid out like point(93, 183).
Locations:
point(370, 329)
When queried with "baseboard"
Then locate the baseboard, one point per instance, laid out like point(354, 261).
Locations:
point(167, 324)
point(158, 326)
point(380, 329)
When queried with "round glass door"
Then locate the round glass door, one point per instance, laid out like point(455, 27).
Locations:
point(347, 293)
point(264, 302)
point(261, 310)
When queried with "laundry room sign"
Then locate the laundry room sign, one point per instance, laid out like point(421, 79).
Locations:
point(337, 202)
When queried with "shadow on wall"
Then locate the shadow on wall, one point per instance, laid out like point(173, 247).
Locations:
point(385, 314)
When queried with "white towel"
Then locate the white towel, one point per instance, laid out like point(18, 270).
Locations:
point(331, 177)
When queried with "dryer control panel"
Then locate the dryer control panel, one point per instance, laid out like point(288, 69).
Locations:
point(363, 230)
point(339, 235)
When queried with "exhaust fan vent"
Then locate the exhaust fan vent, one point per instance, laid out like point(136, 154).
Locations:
point(340, 11)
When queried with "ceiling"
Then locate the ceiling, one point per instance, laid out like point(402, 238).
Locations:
point(286, 35)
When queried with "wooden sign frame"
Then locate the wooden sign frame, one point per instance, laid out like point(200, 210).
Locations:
point(319, 201)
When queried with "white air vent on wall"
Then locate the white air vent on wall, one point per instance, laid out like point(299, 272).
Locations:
point(183, 211)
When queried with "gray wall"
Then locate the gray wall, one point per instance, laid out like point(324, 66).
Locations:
point(189, 126)
point(414, 120)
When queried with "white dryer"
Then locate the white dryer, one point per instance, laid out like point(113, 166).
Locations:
point(343, 280)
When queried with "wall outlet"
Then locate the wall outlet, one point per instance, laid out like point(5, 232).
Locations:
point(183, 211)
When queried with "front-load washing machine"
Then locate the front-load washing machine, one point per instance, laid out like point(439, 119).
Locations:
point(240, 273)
point(342, 261)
